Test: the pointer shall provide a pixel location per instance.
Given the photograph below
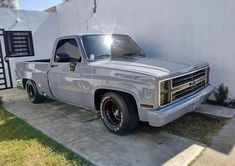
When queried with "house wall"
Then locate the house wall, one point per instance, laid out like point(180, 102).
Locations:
point(188, 29)
point(44, 27)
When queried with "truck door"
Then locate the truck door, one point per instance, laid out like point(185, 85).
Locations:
point(65, 72)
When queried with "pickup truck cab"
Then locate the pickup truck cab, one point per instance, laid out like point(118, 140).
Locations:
point(111, 74)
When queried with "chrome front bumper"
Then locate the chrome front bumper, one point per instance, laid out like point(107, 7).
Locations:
point(169, 113)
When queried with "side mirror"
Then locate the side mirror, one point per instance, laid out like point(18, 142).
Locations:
point(62, 57)
point(6, 59)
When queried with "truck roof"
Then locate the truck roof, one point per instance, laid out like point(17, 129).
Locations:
point(90, 34)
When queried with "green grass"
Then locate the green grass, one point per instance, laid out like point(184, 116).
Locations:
point(196, 127)
point(22, 145)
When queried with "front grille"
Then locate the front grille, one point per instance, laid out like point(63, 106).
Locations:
point(182, 86)
point(187, 78)
point(187, 91)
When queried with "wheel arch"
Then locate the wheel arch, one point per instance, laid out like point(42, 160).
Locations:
point(100, 92)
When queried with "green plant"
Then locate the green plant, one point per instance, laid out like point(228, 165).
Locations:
point(221, 94)
point(1, 101)
point(231, 103)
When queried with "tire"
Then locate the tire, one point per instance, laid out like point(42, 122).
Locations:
point(133, 110)
point(119, 115)
point(33, 94)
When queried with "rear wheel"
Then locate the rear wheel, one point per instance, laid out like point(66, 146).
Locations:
point(32, 92)
point(117, 113)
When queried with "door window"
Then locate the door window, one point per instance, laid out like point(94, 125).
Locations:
point(67, 51)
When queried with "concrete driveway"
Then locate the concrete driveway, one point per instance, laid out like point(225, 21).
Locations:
point(82, 131)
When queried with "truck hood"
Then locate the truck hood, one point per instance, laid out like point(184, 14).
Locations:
point(157, 67)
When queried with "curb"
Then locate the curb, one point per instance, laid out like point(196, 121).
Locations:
point(186, 157)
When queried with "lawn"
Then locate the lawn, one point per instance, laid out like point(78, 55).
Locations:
point(22, 145)
point(196, 127)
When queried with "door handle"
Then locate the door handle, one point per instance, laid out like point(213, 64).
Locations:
point(54, 66)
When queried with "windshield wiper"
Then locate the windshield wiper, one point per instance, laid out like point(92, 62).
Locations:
point(131, 54)
point(101, 56)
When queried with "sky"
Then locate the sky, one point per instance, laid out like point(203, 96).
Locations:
point(37, 5)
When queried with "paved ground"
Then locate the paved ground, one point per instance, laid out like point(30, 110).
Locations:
point(222, 149)
point(216, 111)
point(81, 131)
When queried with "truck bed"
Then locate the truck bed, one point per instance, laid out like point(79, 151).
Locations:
point(34, 70)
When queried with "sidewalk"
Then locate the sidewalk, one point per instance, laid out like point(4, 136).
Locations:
point(222, 149)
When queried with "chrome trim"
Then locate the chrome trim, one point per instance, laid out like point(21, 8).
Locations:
point(197, 81)
point(189, 84)
point(161, 116)
point(186, 88)
point(203, 71)
point(184, 74)
point(182, 98)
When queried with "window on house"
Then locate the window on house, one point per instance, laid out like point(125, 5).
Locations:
point(19, 43)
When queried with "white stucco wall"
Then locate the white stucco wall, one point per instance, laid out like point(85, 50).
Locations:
point(192, 29)
point(44, 27)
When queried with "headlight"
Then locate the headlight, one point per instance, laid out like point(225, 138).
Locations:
point(164, 92)
point(148, 93)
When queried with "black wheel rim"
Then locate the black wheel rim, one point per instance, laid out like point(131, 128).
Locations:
point(30, 91)
point(113, 113)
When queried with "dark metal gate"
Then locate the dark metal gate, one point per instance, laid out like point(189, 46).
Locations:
point(5, 77)
point(3, 81)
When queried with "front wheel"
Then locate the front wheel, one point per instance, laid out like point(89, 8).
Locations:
point(117, 114)
point(33, 93)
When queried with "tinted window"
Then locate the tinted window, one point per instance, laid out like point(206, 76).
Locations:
point(110, 46)
point(67, 51)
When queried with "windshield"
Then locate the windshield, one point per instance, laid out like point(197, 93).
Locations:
point(110, 47)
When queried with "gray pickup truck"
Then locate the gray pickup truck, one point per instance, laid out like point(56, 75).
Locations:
point(112, 75)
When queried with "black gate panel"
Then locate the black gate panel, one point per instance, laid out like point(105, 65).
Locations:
point(3, 80)
point(4, 66)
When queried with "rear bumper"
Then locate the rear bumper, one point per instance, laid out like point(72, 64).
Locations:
point(167, 114)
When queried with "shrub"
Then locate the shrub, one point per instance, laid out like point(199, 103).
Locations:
point(231, 103)
point(1, 101)
point(221, 94)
